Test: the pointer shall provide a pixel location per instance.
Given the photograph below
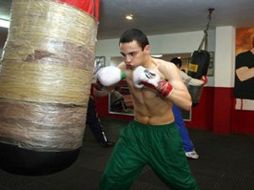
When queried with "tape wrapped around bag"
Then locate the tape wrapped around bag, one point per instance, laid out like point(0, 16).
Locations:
point(43, 127)
point(48, 60)
point(45, 84)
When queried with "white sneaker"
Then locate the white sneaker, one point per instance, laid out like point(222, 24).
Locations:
point(192, 155)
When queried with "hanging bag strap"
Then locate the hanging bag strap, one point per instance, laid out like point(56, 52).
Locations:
point(203, 44)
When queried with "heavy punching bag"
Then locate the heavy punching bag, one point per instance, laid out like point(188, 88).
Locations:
point(198, 67)
point(199, 64)
point(45, 84)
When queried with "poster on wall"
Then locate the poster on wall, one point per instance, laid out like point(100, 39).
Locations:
point(244, 69)
point(99, 62)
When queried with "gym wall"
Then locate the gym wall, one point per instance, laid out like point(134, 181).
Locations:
point(216, 110)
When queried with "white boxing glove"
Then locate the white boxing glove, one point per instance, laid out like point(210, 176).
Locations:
point(136, 76)
point(142, 76)
point(110, 75)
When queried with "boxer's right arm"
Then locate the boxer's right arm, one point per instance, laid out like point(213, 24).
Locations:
point(144, 77)
point(110, 75)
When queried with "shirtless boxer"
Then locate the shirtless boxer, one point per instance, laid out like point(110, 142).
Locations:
point(152, 138)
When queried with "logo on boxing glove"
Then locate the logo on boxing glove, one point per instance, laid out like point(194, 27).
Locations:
point(151, 79)
point(142, 76)
point(149, 74)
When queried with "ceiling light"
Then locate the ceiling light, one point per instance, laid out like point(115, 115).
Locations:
point(157, 55)
point(4, 23)
point(129, 17)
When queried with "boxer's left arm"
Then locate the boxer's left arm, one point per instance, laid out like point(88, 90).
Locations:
point(107, 77)
point(110, 75)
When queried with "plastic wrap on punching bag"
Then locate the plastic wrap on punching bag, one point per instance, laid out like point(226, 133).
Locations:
point(46, 75)
point(89, 6)
point(45, 82)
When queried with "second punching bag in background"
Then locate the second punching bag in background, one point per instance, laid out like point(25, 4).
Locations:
point(45, 84)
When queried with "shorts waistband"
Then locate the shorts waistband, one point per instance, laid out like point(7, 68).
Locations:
point(154, 126)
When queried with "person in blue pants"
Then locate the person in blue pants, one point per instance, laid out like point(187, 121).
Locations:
point(188, 145)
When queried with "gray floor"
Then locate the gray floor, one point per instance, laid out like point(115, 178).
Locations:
point(226, 163)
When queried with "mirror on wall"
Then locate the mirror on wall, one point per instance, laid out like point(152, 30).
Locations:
point(99, 62)
point(120, 100)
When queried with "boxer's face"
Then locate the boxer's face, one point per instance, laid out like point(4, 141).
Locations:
point(133, 55)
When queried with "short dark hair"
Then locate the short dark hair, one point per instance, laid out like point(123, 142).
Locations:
point(134, 34)
point(177, 61)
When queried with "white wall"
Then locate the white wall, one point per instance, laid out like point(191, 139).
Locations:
point(185, 42)
point(225, 57)
point(179, 42)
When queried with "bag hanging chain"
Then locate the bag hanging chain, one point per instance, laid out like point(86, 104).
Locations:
point(204, 40)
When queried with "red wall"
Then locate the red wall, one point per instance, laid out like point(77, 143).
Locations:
point(201, 119)
point(215, 112)
point(242, 122)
